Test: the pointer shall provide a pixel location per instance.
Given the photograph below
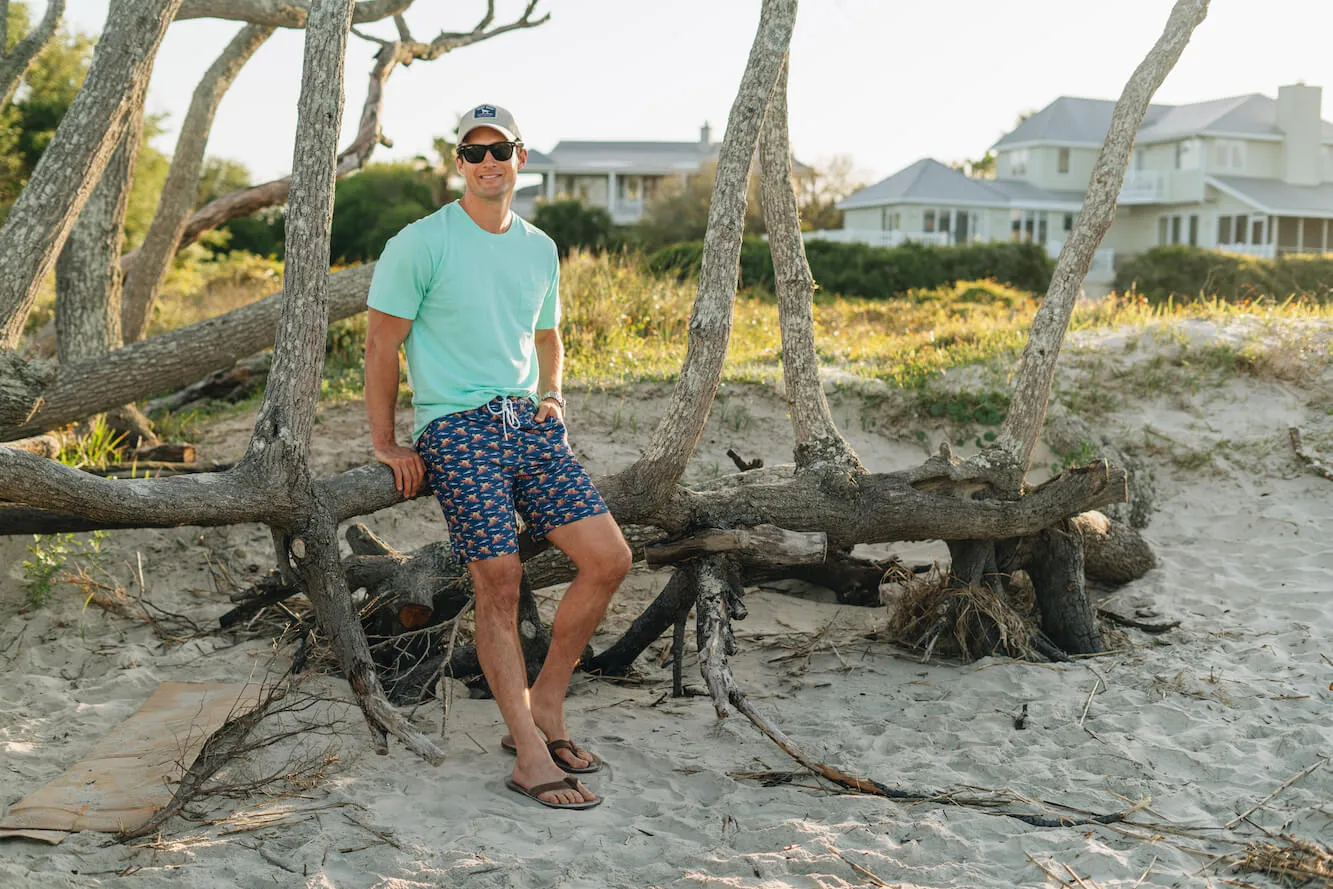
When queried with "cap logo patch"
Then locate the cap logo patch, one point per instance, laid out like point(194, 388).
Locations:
point(483, 111)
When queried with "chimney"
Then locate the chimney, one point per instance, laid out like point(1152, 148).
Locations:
point(1298, 110)
point(705, 136)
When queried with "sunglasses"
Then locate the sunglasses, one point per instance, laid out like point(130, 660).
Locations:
point(501, 151)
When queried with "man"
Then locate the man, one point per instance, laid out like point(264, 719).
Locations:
point(472, 292)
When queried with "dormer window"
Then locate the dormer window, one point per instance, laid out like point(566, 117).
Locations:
point(1062, 161)
point(1018, 162)
point(1227, 154)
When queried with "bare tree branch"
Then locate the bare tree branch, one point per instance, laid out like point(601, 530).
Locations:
point(164, 362)
point(88, 284)
point(246, 201)
point(818, 441)
point(14, 64)
point(144, 274)
point(1036, 371)
point(282, 13)
point(655, 474)
point(71, 165)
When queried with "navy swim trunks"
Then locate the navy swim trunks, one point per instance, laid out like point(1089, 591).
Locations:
point(487, 463)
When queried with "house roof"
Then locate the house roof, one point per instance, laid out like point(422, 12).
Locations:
point(632, 157)
point(1075, 121)
point(1070, 121)
point(930, 182)
point(1278, 198)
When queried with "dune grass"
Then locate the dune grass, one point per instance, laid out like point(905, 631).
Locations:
point(623, 325)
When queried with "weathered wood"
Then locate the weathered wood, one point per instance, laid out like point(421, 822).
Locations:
point(669, 608)
point(713, 578)
point(766, 544)
point(1056, 569)
point(283, 13)
point(145, 272)
point(165, 362)
point(88, 281)
point(651, 480)
point(14, 63)
point(1308, 455)
point(1036, 370)
point(369, 135)
point(40, 219)
point(818, 442)
point(1113, 552)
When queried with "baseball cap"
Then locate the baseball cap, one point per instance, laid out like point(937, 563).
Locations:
point(492, 116)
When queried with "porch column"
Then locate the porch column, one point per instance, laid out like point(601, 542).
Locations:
point(1323, 244)
point(548, 180)
point(611, 192)
point(1268, 232)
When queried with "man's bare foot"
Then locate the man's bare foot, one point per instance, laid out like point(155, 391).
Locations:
point(541, 769)
point(550, 720)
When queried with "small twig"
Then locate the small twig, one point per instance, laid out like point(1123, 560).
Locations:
point(1283, 786)
point(742, 464)
point(1312, 458)
point(1148, 870)
point(870, 876)
point(1095, 687)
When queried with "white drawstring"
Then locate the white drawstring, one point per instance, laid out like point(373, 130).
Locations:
point(507, 413)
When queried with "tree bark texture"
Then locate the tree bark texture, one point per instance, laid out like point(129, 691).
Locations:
point(655, 474)
point(283, 13)
point(1036, 370)
point(167, 361)
point(72, 164)
point(144, 274)
point(14, 63)
point(280, 445)
point(88, 284)
point(818, 442)
point(1057, 572)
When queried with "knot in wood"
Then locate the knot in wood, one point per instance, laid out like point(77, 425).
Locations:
point(298, 547)
point(527, 629)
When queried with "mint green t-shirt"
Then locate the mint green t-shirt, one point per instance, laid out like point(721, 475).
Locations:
point(475, 299)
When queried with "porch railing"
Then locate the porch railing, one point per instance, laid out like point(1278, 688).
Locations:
point(877, 238)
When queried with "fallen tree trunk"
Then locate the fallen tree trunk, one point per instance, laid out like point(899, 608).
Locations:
point(171, 360)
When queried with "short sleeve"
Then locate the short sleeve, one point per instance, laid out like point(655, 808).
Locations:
point(549, 316)
point(402, 276)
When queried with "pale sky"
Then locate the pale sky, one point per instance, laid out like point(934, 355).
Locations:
point(885, 82)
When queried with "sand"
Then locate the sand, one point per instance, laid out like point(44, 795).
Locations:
point(1196, 725)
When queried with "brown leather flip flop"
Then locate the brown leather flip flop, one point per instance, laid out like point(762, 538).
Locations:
point(594, 762)
point(535, 792)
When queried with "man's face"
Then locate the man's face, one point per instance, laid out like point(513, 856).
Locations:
point(490, 178)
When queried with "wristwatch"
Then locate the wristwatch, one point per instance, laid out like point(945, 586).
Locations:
point(554, 396)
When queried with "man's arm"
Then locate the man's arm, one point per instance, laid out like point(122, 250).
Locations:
point(550, 365)
point(384, 334)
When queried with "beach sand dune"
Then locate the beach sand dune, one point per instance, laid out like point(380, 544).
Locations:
point(1193, 727)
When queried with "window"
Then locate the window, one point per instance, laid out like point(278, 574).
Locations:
point(1062, 161)
point(1177, 228)
point(1187, 154)
point(629, 188)
point(890, 220)
point(1028, 225)
point(928, 221)
point(1242, 228)
point(1069, 222)
point(1018, 162)
point(1228, 154)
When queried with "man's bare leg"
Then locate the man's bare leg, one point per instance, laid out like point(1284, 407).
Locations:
point(496, 583)
point(599, 552)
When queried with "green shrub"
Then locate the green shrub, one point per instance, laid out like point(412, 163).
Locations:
point(879, 272)
point(574, 225)
point(1177, 272)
